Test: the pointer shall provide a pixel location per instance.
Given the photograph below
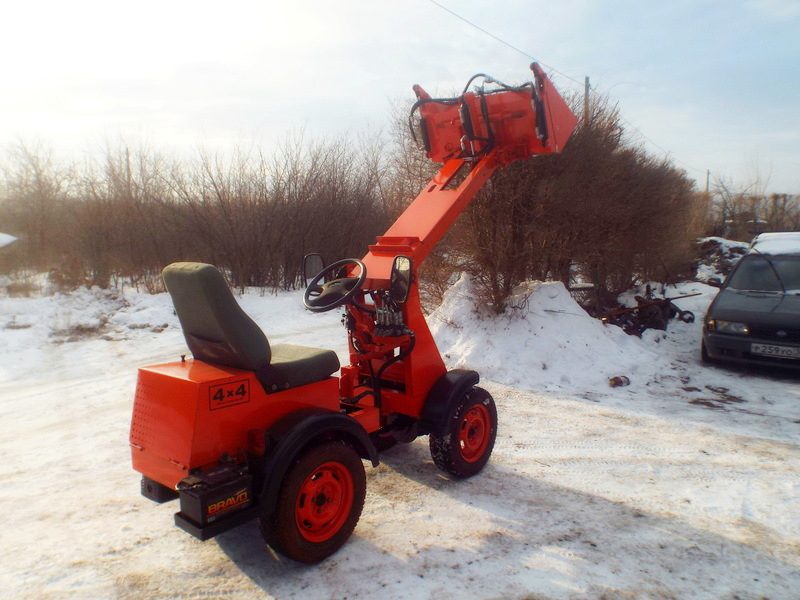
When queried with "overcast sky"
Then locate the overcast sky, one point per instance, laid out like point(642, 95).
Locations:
point(714, 83)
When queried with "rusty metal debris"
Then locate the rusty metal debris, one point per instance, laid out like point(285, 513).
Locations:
point(650, 313)
point(619, 381)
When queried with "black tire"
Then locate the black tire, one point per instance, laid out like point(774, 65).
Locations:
point(303, 527)
point(704, 356)
point(707, 358)
point(466, 446)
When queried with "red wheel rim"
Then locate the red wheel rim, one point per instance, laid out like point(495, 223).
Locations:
point(324, 502)
point(473, 437)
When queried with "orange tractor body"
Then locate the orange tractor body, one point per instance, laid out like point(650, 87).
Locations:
point(247, 430)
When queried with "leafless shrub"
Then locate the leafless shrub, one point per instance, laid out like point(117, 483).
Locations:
point(22, 288)
point(122, 218)
point(741, 211)
point(35, 187)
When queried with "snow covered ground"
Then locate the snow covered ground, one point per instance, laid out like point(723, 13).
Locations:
point(684, 484)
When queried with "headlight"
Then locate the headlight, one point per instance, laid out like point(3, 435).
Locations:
point(728, 327)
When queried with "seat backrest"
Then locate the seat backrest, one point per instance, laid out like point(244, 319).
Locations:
point(217, 330)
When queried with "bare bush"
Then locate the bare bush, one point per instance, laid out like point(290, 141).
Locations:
point(742, 211)
point(125, 216)
point(35, 189)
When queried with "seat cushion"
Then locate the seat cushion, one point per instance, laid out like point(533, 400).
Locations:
point(293, 366)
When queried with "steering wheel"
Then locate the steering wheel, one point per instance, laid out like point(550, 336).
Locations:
point(327, 296)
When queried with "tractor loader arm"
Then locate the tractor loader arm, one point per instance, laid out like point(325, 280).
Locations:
point(472, 135)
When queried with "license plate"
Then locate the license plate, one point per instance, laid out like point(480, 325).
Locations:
point(773, 350)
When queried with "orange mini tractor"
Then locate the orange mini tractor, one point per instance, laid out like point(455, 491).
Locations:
point(245, 429)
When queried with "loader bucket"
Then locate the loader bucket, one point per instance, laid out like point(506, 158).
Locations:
point(515, 122)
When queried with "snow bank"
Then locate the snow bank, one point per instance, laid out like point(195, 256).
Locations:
point(718, 255)
point(116, 323)
point(725, 244)
point(545, 341)
point(30, 328)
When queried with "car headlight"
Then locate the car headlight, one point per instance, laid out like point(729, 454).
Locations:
point(728, 327)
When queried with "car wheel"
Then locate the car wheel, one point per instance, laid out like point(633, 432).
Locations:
point(704, 356)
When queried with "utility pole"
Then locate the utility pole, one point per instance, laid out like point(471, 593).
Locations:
point(708, 176)
point(586, 99)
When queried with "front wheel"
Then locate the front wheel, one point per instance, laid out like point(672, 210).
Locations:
point(704, 355)
point(467, 444)
point(319, 503)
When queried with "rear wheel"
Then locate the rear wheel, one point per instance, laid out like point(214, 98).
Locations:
point(468, 442)
point(319, 503)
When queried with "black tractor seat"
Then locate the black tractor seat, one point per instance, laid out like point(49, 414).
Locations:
point(218, 331)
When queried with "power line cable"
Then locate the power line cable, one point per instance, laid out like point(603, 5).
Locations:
point(591, 90)
point(666, 152)
point(491, 35)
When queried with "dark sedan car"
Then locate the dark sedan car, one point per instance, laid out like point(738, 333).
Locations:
point(755, 317)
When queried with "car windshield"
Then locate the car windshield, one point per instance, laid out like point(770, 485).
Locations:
point(755, 273)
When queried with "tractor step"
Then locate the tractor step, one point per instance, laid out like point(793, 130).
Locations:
point(213, 529)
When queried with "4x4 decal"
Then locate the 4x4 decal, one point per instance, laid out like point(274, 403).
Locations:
point(228, 394)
